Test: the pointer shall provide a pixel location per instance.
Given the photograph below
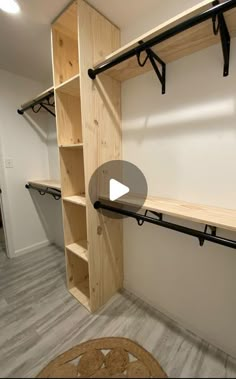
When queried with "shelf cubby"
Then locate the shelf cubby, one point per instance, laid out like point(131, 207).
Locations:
point(68, 118)
point(78, 278)
point(75, 223)
point(65, 46)
point(79, 200)
point(72, 172)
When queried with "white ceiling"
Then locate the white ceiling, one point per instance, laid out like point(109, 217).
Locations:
point(25, 37)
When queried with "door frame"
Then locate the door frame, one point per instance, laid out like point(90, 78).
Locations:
point(5, 210)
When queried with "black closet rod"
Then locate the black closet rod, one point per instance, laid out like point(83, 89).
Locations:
point(37, 102)
point(50, 191)
point(185, 25)
point(158, 220)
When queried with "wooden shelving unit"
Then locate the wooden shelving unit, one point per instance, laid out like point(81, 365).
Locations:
point(181, 45)
point(89, 134)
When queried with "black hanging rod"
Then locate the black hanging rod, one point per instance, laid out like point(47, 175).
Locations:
point(41, 102)
point(216, 10)
point(55, 193)
point(158, 220)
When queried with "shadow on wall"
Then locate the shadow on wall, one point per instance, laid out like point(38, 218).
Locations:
point(50, 214)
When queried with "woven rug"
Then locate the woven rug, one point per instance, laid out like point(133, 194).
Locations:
point(104, 358)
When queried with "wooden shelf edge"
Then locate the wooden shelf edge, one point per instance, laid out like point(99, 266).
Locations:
point(80, 249)
point(179, 46)
point(203, 214)
point(72, 146)
point(65, 86)
point(78, 200)
point(53, 184)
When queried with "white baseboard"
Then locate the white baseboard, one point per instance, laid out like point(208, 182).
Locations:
point(30, 249)
point(179, 322)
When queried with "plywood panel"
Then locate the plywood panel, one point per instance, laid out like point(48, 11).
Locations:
point(101, 120)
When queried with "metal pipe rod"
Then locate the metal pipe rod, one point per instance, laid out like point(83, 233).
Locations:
point(183, 26)
point(168, 225)
point(56, 193)
point(35, 102)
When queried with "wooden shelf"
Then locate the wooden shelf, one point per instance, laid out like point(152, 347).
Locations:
point(78, 200)
point(81, 293)
point(53, 184)
point(80, 249)
point(72, 146)
point(203, 214)
point(183, 44)
point(70, 87)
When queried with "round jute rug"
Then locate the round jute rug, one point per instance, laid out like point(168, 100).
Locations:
point(104, 358)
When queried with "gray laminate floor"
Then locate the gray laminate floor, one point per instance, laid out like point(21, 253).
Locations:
point(39, 320)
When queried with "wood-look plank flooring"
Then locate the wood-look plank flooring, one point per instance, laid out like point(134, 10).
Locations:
point(39, 319)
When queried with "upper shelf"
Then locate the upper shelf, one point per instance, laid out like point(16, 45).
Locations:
point(182, 44)
point(203, 214)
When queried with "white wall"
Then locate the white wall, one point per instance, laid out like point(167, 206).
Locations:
point(24, 139)
point(185, 144)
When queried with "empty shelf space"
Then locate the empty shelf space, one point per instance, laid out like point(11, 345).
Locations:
point(70, 87)
point(75, 223)
point(203, 214)
point(72, 172)
point(78, 278)
point(192, 40)
point(53, 184)
point(80, 249)
point(65, 46)
point(78, 200)
point(81, 293)
point(73, 146)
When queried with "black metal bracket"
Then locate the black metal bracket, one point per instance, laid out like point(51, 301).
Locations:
point(41, 103)
point(221, 27)
point(154, 59)
point(158, 220)
point(212, 233)
point(55, 193)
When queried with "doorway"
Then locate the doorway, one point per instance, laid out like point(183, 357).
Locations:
point(2, 234)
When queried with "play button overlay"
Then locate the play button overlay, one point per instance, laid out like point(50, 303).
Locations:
point(117, 190)
point(117, 183)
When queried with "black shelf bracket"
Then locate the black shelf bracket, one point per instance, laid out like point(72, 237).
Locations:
point(158, 220)
point(154, 59)
point(216, 12)
point(220, 26)
point(36, 105)
point(55, 193)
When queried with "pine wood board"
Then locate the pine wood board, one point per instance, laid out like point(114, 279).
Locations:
point(204, 214)
point(49, 91)
point(71, 86)
point(188, 42)
point(80, 249)
point(101, 123)
point(54, 184)
point(78, 200)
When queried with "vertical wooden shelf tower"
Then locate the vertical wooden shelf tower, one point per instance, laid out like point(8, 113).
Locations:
point(89, 134)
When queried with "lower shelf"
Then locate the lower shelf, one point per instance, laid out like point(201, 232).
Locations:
point(81, 293)
point(80, 249)
point(79, 200)
point(78, 278)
